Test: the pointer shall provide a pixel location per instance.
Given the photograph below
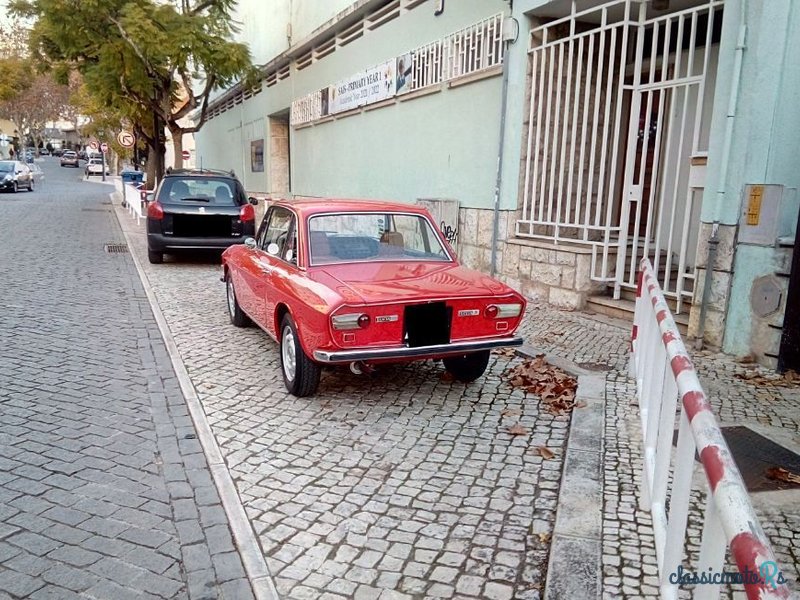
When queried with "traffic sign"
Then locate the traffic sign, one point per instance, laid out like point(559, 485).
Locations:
point(186, 155)
point(93, 144)
point(126, 139)
point(104, 147)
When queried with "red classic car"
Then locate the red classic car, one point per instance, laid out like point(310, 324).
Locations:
point(361, 282)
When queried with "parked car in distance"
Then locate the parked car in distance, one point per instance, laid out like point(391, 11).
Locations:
point(198, 209)
point(44, 152)
point(15, 175)
point(57, 152)
point(362, 283)
point(82, 155)
point(70, 159)
point(95, 167)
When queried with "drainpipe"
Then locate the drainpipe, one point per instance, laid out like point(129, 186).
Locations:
point(499, 176)
point(713, 241)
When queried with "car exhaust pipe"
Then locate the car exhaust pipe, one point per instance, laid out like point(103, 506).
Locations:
point(357, 367)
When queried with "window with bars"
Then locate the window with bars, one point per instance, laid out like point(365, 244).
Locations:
point(468, 50)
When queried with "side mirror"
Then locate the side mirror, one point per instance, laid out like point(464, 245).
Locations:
point(253, 201)
point(250, 243)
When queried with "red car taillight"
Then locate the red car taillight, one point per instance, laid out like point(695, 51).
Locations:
point(350, 321)
point(247, 213)
point(503, 311)
point(155, 211)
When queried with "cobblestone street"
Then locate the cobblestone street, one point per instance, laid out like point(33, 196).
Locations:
point(104, 492)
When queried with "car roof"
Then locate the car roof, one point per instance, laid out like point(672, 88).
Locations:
point(199, 173)
point(314, 206)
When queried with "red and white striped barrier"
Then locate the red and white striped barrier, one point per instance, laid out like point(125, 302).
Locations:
point(664, 372)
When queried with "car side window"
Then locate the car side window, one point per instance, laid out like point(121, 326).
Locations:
point(278, 229)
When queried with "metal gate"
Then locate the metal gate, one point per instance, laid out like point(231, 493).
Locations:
point(619, 112)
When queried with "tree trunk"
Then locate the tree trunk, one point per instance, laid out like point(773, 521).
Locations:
point(152, 158)
point(177, 146)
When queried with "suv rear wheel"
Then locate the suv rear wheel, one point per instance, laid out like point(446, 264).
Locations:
point(155, 258)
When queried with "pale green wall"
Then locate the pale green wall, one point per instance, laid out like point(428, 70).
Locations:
point(436, 146)
point(765, 143)
point(441, 145)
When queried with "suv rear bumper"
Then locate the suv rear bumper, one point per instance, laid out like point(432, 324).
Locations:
point(158, 242)
point(404, 352)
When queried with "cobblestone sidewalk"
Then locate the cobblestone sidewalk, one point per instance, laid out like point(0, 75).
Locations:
point(629, 560)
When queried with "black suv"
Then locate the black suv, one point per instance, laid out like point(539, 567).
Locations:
point(198, 209)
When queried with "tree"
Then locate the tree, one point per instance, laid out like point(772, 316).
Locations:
point(140, 57)
point(27, 98)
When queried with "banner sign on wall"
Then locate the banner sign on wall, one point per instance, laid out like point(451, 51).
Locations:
point(365, 87)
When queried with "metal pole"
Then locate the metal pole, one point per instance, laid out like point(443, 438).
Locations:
point(499, 176)
point(103, 163)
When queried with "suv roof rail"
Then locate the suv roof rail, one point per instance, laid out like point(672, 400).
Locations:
point(187, 171)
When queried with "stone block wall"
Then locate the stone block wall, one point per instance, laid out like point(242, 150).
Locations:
point(541, 271)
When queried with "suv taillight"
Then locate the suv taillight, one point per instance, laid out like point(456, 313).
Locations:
point(247, 213)
point(155, 211)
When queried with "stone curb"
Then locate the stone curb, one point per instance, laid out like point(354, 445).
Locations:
point(575, 564)
point(246, 541)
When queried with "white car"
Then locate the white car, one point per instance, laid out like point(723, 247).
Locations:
point(95, 167)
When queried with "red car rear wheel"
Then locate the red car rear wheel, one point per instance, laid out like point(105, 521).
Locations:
point(235, 312)
point(467, 367)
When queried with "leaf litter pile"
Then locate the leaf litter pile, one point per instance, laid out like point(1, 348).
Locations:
point(555, 387)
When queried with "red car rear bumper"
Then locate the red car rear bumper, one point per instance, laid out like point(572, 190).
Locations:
point(420, 352)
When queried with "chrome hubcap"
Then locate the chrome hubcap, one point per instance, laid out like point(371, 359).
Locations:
point(231, 299)
point(288, 353)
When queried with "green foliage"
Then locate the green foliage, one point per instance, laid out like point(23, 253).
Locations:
point(15, 77)
point(140, 56)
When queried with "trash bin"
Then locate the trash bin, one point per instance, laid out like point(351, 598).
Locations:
point(132, 176)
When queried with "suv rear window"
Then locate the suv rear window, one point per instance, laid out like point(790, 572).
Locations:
point(213, 191)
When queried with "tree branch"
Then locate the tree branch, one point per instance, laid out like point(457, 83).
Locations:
point(147, 67)
point(202, 6)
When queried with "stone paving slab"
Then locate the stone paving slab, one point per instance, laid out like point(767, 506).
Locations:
point(401, 485)
point(104, 490)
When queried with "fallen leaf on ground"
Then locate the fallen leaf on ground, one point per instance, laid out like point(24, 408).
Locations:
point(545, 452)
point(555, 387)
point(783, 475)
point(517, 429)
point(580, 404)
point(447, 376)
point(788, 379)
point(510, 352)
point(544, 537)
point(511, 412)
